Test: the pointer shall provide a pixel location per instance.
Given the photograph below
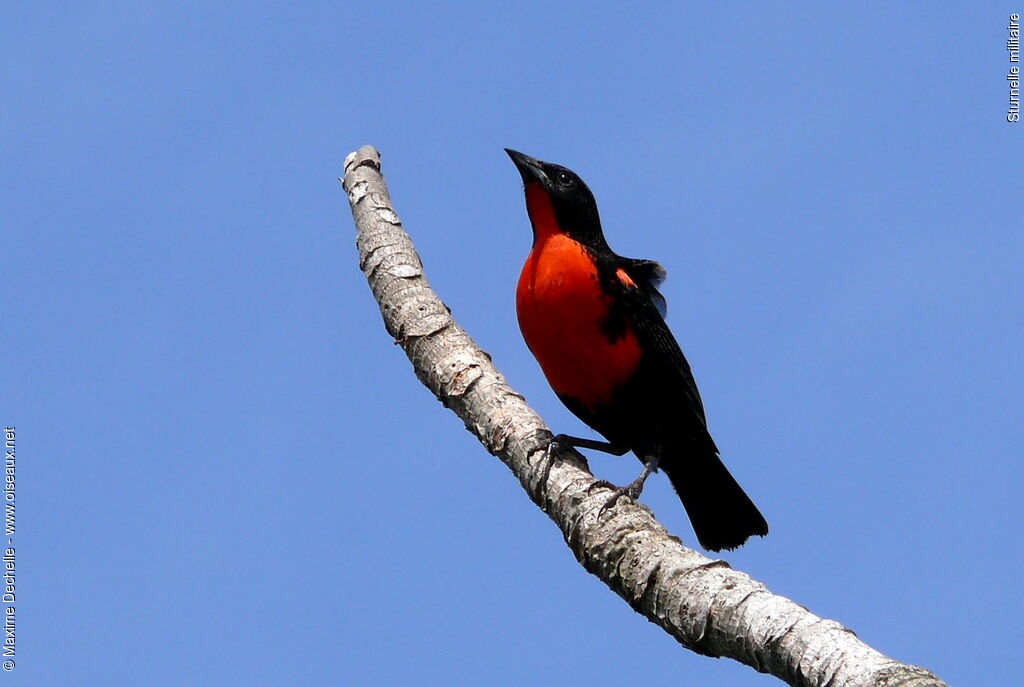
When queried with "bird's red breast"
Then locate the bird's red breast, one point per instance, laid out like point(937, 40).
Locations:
point(563, 314)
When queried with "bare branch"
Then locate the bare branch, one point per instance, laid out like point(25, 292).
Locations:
point(707, 606)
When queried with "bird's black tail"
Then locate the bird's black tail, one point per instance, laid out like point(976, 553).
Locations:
point(722, 515)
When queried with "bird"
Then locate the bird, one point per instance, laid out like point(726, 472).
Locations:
point(595, 322)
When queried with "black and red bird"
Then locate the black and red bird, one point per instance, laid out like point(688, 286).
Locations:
point(595, 322)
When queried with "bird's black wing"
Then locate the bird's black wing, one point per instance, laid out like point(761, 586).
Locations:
point(664, 365)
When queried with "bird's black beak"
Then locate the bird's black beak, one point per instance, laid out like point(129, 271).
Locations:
point(529, 168)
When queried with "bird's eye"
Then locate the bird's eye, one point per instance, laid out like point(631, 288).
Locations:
point(565, 179)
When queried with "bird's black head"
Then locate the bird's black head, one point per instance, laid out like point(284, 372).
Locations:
point(558, 201)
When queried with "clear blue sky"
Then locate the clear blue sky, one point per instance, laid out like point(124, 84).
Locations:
point(228, 473)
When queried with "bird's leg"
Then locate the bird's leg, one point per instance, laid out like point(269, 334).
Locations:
point(577, 442)
point(560, 440)
point(634, 488)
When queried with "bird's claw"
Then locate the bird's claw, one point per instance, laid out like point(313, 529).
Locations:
point(631, 490)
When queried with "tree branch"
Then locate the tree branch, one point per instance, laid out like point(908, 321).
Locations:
point(707, 606)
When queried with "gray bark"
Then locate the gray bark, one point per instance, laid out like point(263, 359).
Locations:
point(706, 605)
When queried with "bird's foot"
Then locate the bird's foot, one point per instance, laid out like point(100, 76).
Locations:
point(632, 490)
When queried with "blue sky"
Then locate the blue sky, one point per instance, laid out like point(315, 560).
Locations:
point(229, 475)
